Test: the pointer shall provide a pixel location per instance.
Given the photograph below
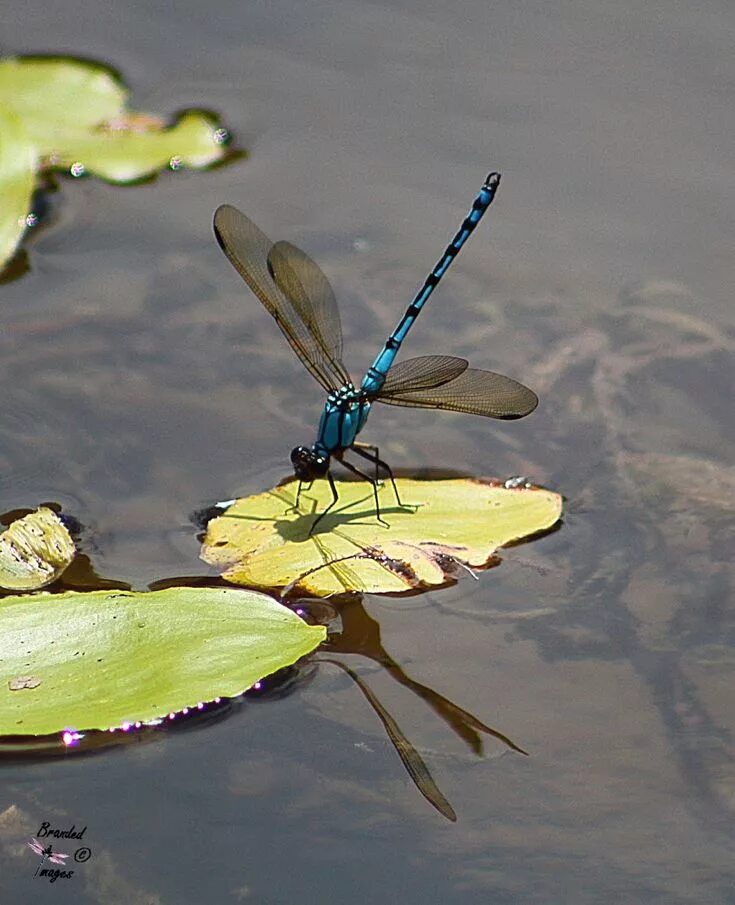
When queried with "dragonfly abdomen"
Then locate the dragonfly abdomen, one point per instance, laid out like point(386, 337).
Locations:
point(375, 377)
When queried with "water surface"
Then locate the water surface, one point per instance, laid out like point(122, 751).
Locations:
point(142, 382)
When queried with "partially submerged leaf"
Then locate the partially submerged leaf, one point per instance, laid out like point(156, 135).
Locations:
point(74, 114)
point(109, 659)
point(69, 114)
point(59, 97)
point(261, 541)
point(34, 551)
point(17, 174)
point(127, 154)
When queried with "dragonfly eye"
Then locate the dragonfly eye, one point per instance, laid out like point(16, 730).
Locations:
point(307, 465)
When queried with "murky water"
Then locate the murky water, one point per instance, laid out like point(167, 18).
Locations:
point(142, 382)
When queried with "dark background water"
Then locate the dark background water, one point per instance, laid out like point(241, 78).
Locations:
point(141, 381)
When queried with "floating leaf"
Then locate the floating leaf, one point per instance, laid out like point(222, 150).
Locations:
point(260, 541)
point(34, 551)
point(18, 160)
point(59, 97)
point(125, 155)
point(107, 659)
point(69, 114)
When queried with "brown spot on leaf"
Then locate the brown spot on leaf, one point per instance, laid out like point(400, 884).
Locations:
point(22, 682)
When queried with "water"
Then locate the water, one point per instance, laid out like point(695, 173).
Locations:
point(141, 382)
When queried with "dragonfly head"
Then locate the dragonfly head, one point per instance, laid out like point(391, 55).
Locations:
point(308, 464)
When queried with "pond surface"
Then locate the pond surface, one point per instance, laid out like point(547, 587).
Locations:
point(142, 381)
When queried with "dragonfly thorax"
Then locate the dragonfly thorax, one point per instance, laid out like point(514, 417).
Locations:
point(343, 417)
point(346, 396)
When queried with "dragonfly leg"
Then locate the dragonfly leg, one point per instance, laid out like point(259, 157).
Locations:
point(295, 506)
point(371, 453)
point(362, 450)
point(335, 497)
point(374, 484)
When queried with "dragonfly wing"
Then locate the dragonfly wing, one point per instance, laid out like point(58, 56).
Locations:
point(474, 392)
point(423, 373)
point(58, 858)
point(36, 846)
point(308, 290)
point(248, 250)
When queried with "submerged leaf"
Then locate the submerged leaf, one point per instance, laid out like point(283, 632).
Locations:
point(34, 551)
point(261, 541)
point(17, 175)
point(107, 659)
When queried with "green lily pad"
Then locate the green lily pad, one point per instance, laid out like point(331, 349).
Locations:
point(18, 160)
point(68, 114)
point(262, 542)
point(126, 153)
point(107, 659)
point(34, 551)
point(59, 97)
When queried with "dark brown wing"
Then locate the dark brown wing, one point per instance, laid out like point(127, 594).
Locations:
point(284, 283)
point(473, 391)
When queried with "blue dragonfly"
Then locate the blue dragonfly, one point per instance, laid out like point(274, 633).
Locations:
point(298, 295)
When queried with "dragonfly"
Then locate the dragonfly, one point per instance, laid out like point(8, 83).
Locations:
point(46, 852)
point(298, 295)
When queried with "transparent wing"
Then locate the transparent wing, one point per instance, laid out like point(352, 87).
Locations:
point(250, 250)
point(308, 290)
point(36, 846)
point(474, 392)
point(423, 373)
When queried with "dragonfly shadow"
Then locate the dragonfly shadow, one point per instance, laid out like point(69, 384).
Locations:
point(361, 635)
point(295, 525)
point(358, 512)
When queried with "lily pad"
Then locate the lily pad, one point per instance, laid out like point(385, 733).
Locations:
point(18, 160)
point(68, 114)
point(262, 542)
point(127, 152)
point(116, 658)
point(34, 551)
point(59, 96)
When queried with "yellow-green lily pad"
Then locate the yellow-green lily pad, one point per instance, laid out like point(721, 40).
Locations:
point(34, 551)
point(263, 542)
point(109, 659)
point(59, 97)
point(18, 159)
point(127, 152)
point(62, 113)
